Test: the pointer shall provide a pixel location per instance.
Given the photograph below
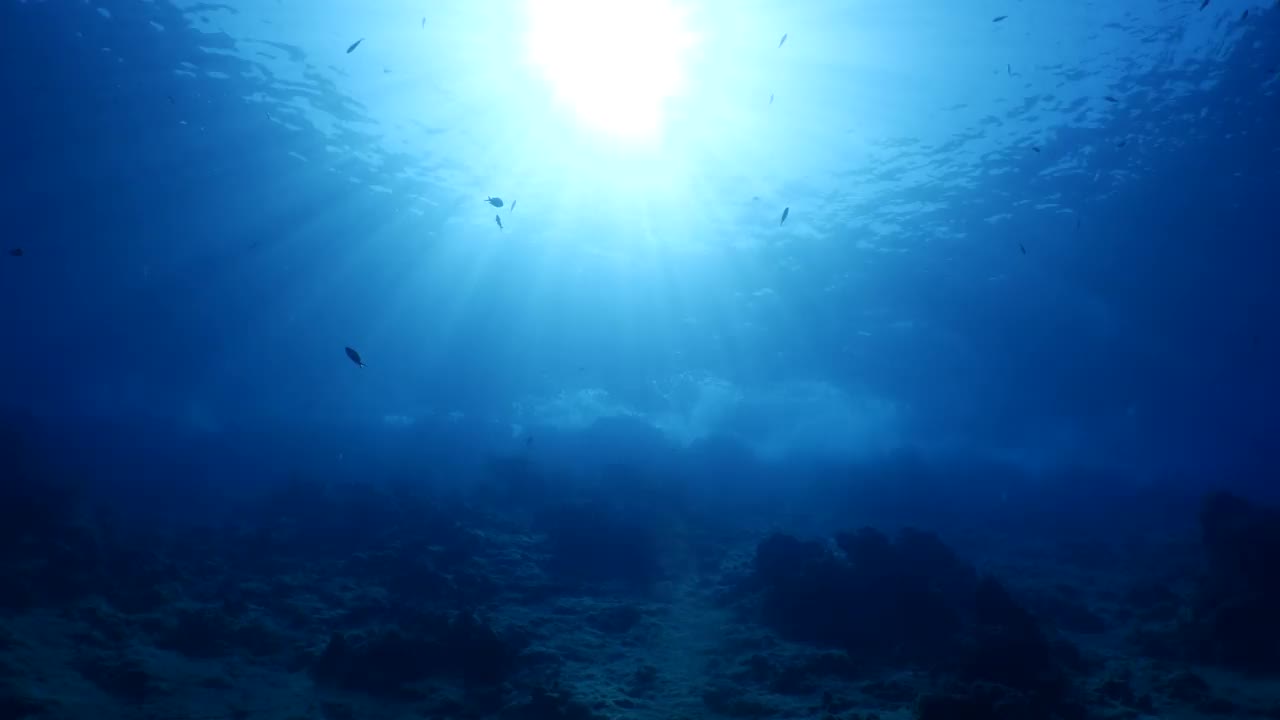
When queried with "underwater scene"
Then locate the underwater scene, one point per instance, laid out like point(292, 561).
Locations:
point(639, 359)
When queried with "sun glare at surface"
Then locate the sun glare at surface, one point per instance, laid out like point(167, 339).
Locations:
point(615, 62)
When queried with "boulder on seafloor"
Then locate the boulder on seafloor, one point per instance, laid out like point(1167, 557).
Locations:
point(1236, 619)
point(387, 662)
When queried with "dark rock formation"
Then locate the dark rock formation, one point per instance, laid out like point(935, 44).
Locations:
point(1237, 621)
point(912, 600)
point(386, 663)
point(731, 702)
point(976, 702)
point(120, 677)
point(202, 633)
point(1009, 648)
point(545, 704)
point(14, 706)
point(1191, 689)
point(902, 598)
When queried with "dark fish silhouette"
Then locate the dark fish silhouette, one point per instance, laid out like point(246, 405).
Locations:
point(513, 206)
point(784, 39)
point(1023, 248)
point(16, 252)
point(496, 202)
point(1009, 69)
point(355, 357)
point(998, 18)
point(770, 98)
point(498, 219)
point(785, 213)
point(1122, 143)
point(1204, 4)
point(354, 45)
point(1245, 16)
point(1034, 148)
point(1108, 98)
point(424, 23)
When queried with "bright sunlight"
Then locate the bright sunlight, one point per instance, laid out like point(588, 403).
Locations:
point(616, 62)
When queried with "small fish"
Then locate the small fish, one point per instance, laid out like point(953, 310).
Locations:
point(1023, 248)
point(998, 18)
point(785, 212)
point(16, 252)
point(1035, 148)
point(513, 206)
point(1122, 143)
point(424, 23)
point(496, 202)
point(498, 219)
point(1009, 69)
point(355, 357)
point(1110, 99)
point(770, 98)
point(351, 48)
point(1204, 4)
point(1245, 16)
point(784, 39)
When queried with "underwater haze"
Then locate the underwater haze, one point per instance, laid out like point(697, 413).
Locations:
point(589, 359)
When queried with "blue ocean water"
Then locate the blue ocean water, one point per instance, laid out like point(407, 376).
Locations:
point(560, 358)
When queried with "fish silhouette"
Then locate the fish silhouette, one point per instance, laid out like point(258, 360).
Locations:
point(355, 357)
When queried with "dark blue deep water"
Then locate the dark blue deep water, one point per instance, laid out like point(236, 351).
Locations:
point(653, 359)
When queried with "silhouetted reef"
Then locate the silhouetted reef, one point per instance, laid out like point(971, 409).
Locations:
point(1236, 618)
point(320, 597)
